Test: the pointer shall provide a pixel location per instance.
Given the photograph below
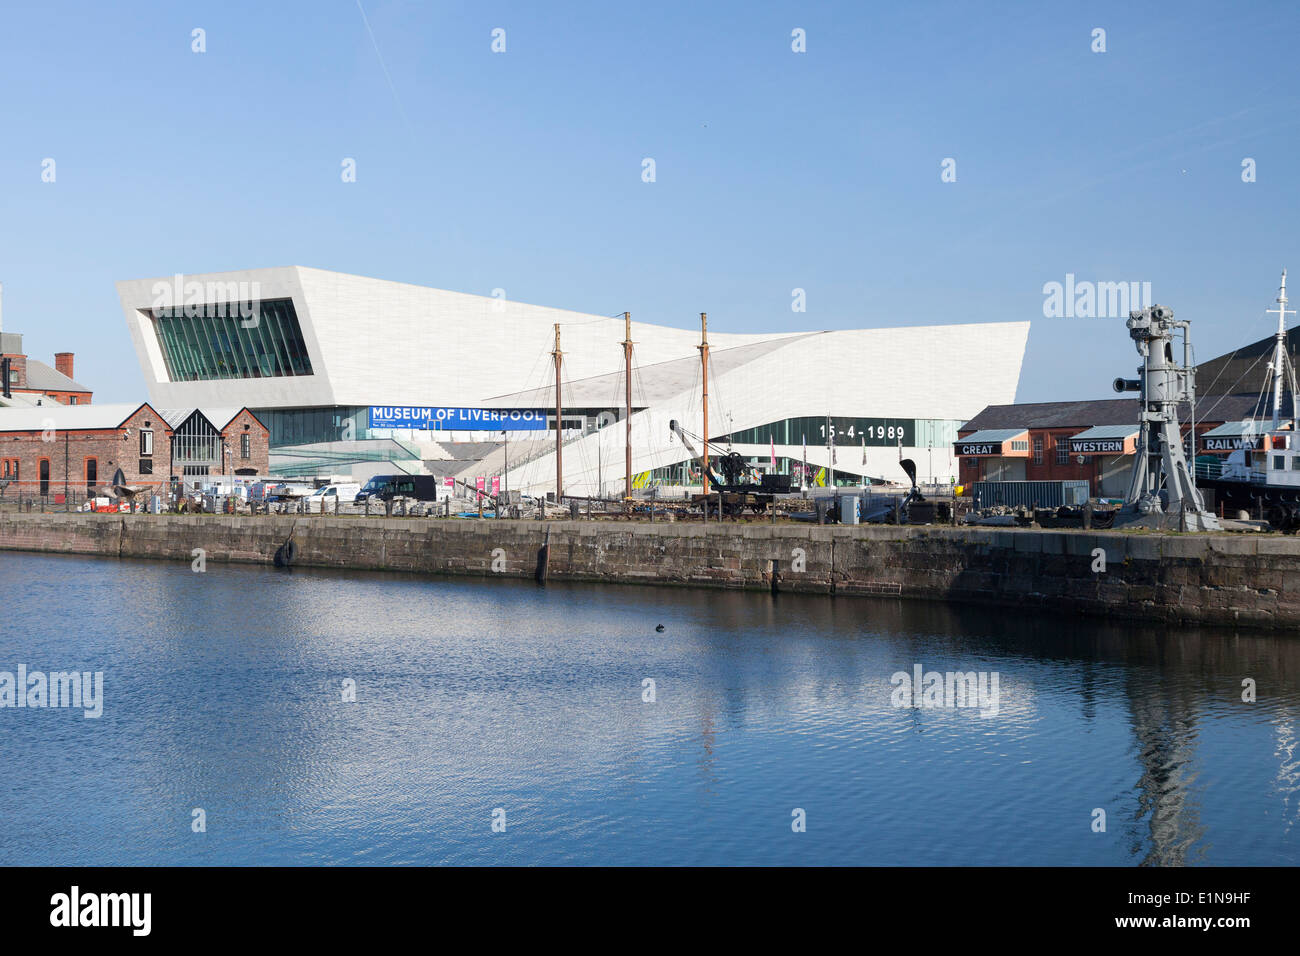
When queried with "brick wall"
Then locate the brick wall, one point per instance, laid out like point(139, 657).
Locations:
point(969, 469)
point(259, 443)
point(114, 448)
point(109, 449)
point(63, 398)
point(1236, 580)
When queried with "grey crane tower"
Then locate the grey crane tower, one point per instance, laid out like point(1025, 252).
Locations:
point(1160, 462)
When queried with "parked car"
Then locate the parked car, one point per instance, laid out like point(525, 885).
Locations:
point(388, 487)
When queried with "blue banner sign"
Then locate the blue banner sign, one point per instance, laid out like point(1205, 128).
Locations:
point(428, 418)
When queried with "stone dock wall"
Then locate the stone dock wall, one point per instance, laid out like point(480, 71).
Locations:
point(1224, 579)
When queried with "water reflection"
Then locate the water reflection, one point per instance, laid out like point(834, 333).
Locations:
point(223, 691)
point(1288, 772)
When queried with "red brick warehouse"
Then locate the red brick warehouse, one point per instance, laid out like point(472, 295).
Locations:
point(51, 450)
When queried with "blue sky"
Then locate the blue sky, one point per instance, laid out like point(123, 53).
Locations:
point(775, 170)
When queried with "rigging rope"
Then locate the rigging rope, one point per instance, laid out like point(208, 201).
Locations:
point(1220, 398)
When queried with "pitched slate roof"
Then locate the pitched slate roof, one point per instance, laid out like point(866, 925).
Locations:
point(1244, 370)
point(1225, 408)
point(1085, 414)
point(1111, 411)
point(42, 376)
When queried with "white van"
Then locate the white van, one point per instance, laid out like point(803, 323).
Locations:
point(224, 488)
point(323, 500)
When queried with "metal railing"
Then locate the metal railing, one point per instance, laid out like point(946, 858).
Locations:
point(1213, 470)
point(53, 496)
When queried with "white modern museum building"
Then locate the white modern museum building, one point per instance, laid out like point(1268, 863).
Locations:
point(359, 376)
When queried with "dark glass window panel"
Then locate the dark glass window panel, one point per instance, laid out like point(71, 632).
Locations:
point(306, 426)
point(216, 344)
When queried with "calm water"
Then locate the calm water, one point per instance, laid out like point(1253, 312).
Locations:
point(223, 691)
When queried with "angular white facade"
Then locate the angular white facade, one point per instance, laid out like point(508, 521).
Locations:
point(372, 342)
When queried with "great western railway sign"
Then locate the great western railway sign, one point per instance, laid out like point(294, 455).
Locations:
point(1232, 443)
point(1097, 446)
point(993, 442)
point(432, 418)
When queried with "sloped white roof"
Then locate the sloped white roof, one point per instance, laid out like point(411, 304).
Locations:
point(650, 383)
point(992, 435)
point(1105, 431)
point(66, 417)
point(374, 342)
point(26, 400)
point(1237, 429)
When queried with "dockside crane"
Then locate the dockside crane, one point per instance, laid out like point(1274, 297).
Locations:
point(730, 492)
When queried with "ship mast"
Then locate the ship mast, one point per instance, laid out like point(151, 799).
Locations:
point(627, 411)
point(704, 377)
point(559, 423)
point(1280, 357)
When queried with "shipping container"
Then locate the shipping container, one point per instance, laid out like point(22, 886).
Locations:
point(1029, 494)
